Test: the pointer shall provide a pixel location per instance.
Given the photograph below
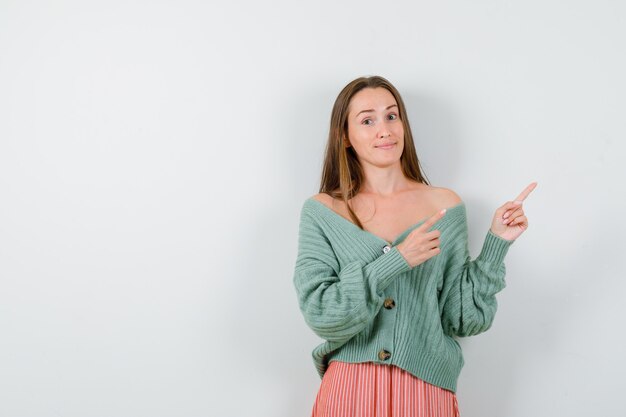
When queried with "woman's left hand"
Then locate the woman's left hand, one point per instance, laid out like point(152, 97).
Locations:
point(509, 222)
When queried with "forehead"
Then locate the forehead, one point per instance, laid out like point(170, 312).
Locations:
point(377, 98)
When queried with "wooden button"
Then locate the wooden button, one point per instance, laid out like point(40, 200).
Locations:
point(389, 303)
point(383, 355)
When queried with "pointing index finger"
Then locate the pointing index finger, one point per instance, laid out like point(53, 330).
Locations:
point(433, 219)
point(526, 192)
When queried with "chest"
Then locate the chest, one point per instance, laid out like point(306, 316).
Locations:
point(388, 220)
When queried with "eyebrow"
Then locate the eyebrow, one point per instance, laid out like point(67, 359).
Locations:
point(371, 110)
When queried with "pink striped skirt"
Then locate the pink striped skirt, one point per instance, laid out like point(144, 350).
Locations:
point(373, 390)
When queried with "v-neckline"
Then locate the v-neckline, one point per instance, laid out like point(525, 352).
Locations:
point(378, 238)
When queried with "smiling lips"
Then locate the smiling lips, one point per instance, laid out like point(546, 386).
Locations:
point(386, 145)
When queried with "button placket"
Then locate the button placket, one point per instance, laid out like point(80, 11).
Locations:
point(388, 318)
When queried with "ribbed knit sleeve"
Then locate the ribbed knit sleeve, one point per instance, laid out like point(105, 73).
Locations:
point(467, 300)
point(337, 303)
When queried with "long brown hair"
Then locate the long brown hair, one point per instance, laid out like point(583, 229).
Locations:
point(342, 174)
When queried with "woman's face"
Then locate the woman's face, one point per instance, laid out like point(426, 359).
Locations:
point(375, 130)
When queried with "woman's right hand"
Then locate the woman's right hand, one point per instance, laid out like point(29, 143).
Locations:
point(421, 245)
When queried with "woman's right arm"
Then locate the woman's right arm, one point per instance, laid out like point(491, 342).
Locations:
point(339, 303)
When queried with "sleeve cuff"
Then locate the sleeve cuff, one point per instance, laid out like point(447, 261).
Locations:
point(494, 248)
point(387, 266)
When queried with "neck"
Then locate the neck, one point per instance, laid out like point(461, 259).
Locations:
point(384, 181)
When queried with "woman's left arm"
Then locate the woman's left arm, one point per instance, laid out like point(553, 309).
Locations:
point(467, 299)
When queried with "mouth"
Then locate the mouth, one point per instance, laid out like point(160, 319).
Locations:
point(387, 145)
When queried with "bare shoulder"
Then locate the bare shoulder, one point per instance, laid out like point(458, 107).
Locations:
point(446, 197)
point(321, 197)
point(324, 199)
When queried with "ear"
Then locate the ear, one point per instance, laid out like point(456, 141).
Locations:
point(346, 142)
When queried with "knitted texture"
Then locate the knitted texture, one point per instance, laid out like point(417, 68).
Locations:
point(343, 276)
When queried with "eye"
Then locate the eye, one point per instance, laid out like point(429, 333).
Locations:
point(393, 116)
point(365, 121)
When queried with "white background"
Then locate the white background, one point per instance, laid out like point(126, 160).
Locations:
point(154, 156)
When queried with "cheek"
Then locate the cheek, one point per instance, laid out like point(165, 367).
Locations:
point(357, 134)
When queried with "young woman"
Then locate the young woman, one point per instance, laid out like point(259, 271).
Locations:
point(383, 272)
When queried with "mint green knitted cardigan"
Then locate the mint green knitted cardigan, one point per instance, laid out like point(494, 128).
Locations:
point(343, 275)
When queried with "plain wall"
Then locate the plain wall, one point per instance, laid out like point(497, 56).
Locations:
point(154, 156)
